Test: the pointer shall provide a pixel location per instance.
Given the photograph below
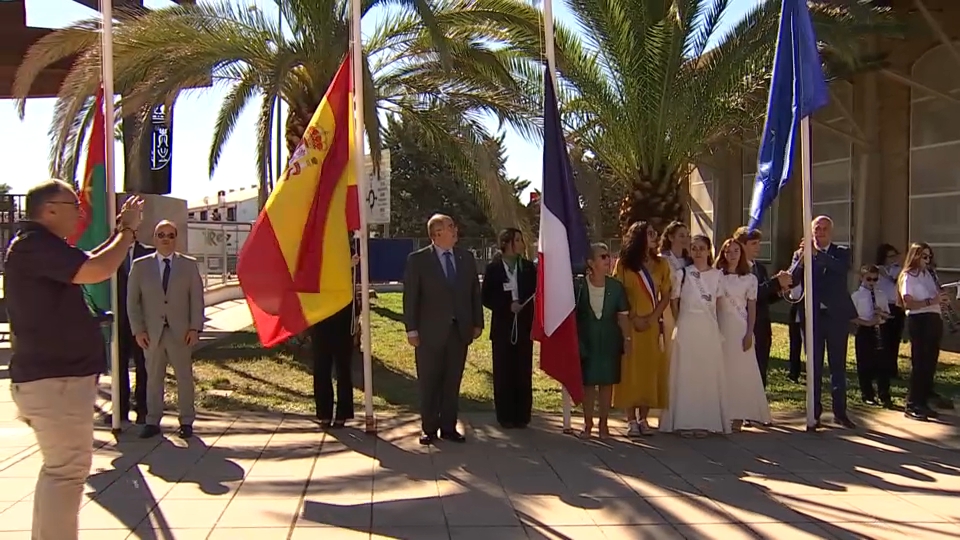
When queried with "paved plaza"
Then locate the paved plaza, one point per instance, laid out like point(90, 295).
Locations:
point(271, 476)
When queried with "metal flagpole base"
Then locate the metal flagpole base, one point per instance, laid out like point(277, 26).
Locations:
point(567, 406)
point(370, 425)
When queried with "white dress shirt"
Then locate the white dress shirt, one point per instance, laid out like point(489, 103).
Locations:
point(866, 308)
point(920, 287)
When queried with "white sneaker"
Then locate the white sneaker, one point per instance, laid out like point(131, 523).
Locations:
point(634, 429)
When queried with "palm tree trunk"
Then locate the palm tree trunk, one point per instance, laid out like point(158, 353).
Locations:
point(656, 201)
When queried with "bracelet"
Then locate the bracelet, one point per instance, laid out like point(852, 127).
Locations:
point(122, 230)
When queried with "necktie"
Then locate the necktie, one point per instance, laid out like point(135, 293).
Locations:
point(448, 267)
point(165, 280)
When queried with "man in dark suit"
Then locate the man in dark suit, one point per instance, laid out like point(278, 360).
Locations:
point(509, 284)
point(442, 314)
point(128, 345)
point(831, 320)
point(768, 292)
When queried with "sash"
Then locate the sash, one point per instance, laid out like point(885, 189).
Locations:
point(646, 279)
point(740, 308)
point(705, 298)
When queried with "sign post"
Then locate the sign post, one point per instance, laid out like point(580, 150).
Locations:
point(377, 198)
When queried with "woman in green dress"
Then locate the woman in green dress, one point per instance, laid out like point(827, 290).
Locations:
point(603, 327)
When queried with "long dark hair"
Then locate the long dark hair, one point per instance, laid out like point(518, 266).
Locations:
point(634, 250)
point(666, 242)
point(881, 255)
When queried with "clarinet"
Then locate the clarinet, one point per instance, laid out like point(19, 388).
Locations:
point(876, 329)
point(951, 315)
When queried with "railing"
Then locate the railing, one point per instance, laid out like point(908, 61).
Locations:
point(11, 214)
point(216, 246)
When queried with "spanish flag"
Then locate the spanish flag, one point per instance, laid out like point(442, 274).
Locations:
point(295, 267)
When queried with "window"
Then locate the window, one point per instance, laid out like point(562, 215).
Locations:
point(191, 215)
point(203, 215)
point(702, 193)
point(832, 165)
point(934, 168)
point(232, 213)
point(749, 168)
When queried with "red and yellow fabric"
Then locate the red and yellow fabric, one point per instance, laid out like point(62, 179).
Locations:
point(295, 267)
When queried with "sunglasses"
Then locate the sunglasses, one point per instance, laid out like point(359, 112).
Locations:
point(163, 236)
point(926, 257)
point(75, 204)
point(871, 280)
point(604, 256)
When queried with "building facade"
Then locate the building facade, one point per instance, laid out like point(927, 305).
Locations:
point(885, 154)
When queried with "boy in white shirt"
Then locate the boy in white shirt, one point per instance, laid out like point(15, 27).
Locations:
point(872, 312)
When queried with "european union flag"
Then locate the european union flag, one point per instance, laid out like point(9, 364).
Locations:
point(797, 90)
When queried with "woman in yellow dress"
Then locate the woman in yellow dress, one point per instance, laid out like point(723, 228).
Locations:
point(646, 277)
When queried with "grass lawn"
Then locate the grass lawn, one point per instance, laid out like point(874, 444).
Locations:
point(239, 374)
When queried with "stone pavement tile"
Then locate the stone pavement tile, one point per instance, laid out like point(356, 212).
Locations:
point(546, 532)
point(930, 531)
point(724, 484)
point(893, 509)
point(330, 533)
point(599, 482)
point(909, 478)
point(187, 514)
point(788, 531)
point(24, 468)
point(273, 533)
point(204, 490)
point(549, 510)
point(941, 505)
point(785, 484)
point(398, 488)
point(15, 489)
point(625, 511)
point(335, 511)
point(659, 485)
point(102, 534)
point(422, 511)
point(154, 532)
point(859, 531)
point(712, 531)
point(532, 484)
point(840, 482)
point(640, 532)
point(827, 508)
point(479, 509)
point(242, 513)
point(17, 517)
point(272, 487)
point(136, 486)
point(690, 510)
point(758, 508)
point(794, 462)
point(488, 533)
point(403, 532)
point(281, 467)
point(115, 513)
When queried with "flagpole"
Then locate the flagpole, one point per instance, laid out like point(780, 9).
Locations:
point(357, 72)
point(106, 61)
point(551, 54)
point(805, 180)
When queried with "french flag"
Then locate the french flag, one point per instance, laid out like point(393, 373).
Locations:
point(563, 243)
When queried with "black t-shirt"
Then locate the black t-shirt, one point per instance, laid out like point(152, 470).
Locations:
point(55, 334)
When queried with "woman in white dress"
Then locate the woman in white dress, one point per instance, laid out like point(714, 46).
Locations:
point(675, 249)
point(696, 363)
point(744, 398)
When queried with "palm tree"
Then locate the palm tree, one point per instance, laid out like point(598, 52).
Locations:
point(427, 61)
point(645, 95)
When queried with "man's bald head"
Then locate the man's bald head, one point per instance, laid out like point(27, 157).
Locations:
point(165, 237)
point(442, 231)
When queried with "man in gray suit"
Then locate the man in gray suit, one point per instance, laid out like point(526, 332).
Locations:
point(165, 307)
point(443, 314)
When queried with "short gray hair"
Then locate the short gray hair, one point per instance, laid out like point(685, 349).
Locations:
point(42, 193)
point(435, 222)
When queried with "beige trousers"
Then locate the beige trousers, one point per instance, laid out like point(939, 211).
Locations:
point(60, 412)
point(172, 350)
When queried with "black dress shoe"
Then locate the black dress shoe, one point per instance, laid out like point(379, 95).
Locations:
point(149, 430)
point(929, 412)
point(507, 425)
point(427, 439)
point(871, 401)
point(816, 425)
point(141, 419)
point(844, 422)
point(185, 432)
point(453, 436)
point(887, 403)
point(915, 414)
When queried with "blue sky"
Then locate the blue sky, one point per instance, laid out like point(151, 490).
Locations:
point(24, 145)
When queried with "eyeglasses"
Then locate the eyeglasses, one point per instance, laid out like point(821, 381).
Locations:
point(926, 257)
point(75, 204)
point(163, 236)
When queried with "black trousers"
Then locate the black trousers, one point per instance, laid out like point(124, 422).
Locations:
point(513, 379)
point(871, 364)
point(439, 374)
point(763, 341)
point(796, 347)
point(332, 345)
point(926, 331)
point(892, 332)
point(129, 349)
